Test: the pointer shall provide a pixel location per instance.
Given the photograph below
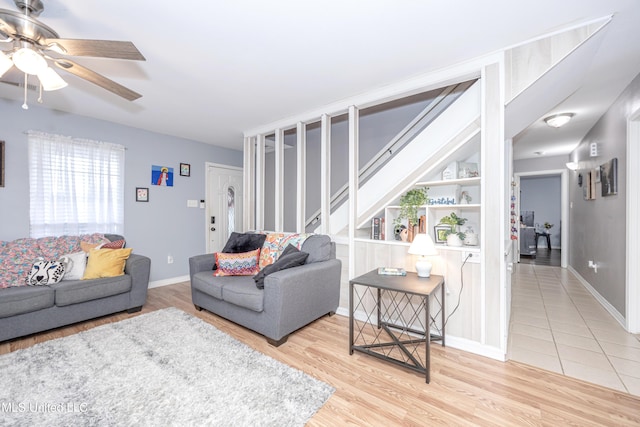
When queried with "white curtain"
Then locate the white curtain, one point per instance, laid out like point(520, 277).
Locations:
point(77, 185)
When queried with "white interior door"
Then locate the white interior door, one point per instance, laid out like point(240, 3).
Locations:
point(224, 204)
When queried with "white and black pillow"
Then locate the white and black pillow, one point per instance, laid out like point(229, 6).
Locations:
point(46, 272)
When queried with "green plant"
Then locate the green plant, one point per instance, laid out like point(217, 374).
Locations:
point(454, 221)
point(547, 225)
point(410, 202)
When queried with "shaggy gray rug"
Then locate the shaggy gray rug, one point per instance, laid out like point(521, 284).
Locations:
point(161, 368)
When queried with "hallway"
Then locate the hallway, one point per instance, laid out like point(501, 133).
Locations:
point(557, 325)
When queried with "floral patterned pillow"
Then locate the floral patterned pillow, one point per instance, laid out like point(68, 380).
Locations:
point(275, 243)
point(271, 249)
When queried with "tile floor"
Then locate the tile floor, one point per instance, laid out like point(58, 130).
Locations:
point(556, 324)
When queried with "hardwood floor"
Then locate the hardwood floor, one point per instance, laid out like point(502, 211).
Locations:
point(465, 389)
point(544, 256)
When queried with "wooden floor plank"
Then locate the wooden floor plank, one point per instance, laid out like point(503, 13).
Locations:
point(465, 389)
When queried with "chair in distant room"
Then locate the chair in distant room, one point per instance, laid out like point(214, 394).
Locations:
point(528, 238)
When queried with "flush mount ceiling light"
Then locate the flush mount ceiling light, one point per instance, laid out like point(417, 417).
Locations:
point(35, 48)
point(558, 120)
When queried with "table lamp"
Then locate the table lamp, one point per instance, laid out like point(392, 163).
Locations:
point(423, 245)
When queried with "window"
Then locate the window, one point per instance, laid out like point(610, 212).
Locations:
point(76, 186)
point(231, 209)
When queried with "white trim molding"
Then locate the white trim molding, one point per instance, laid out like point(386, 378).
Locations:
point(633, 228)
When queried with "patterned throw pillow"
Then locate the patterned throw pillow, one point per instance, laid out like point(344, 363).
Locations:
point(275, 243)
point(270, 249)
point(116, 244)
point(46, 272)
point(242, 264)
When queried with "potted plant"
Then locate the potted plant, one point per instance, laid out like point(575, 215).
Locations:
point(454, 235)
point(410, 203)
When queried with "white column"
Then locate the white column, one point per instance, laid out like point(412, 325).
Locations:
point(248, 183)
point(325, 174)
point(494, 208)
point(301, 182)
point(259, 211)
point(354, 127)
point(279, 180)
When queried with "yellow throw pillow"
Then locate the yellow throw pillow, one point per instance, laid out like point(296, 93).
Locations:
point(106, 263)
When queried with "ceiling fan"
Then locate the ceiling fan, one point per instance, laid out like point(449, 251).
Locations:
point(33, 45)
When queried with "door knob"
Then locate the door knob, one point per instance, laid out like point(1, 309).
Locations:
point(213, 229)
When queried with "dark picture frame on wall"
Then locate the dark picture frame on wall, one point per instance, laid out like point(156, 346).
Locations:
point(609, 177)
point(185, 169)
point(142, 194)
point(1, 163)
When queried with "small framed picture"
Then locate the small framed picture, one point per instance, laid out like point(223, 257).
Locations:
point(185, 169)
point(440, 233)
point(142, 194)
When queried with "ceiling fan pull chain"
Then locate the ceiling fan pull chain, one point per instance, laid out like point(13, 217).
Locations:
point(25, 106)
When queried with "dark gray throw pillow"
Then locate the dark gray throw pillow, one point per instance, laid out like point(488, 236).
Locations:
point(242, 242)
point(290, 257)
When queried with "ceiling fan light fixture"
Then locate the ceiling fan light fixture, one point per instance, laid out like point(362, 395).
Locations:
point(5, 63)
point(51, 80)
point(29, 61)
point(558, 120)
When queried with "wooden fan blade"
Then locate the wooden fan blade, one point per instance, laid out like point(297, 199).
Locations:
point(97, 79)
point(94, 48)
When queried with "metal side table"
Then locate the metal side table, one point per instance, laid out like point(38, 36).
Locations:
point(394, 320)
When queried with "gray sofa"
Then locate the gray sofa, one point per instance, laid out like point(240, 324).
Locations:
point(26, 310)
point(291, 298)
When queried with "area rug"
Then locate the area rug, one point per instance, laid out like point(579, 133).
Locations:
point(161, 368)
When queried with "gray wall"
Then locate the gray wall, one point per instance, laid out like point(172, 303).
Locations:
point(598, 226)
point(162, 227)
point(542, 195)
point(539, 164)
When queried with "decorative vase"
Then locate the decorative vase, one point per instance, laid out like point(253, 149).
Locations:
point(471, 239)
point(397, 232)
point(453, 240)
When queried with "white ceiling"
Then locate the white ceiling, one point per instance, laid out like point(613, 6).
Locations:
point(217, 68)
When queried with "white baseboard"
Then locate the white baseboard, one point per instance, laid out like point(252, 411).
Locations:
point(603, 302)
point(450, 341)
point(170, 281)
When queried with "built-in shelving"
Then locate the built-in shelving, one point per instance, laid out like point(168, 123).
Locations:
point(446, 194)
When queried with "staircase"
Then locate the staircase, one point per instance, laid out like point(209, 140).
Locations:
point(447, 123)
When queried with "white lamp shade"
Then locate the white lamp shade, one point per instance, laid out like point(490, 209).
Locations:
point(5, 64)
point(51, 80)
point(29, 61)
point(422, 245)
